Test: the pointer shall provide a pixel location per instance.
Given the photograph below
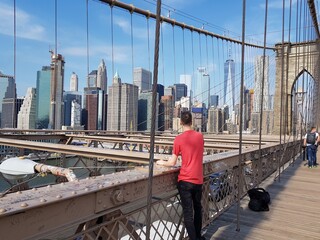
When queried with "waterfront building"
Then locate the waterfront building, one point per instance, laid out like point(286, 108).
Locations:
point(187, 80)
point(74, 82)
point(101, 78)
point(69, 98)
point(229, 83)
point(143, 79)
point(122, 106)
point(214, 100)
point(180, 91)
point(166, 112)
point(56, 116)
point(75, 115)
point(96, 109)
point(145, 111)
point(8, 103)
point(199, 117)
point(214, 120)
point(27, 113)
point(43, 97)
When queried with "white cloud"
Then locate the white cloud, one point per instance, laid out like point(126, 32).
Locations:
point(138, 32)
point(122, 54)
point(26, 26)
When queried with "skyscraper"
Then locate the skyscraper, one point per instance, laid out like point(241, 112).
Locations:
point(114, 104)
point(166, 113)
point(229, 83)
point(74, 82)
point(214, 120)
point(92, 79)
point(122, 106)
point(143, 79)
point(69, 98)
point(102, 81)
point(187, 80)
point(258, 75)
point(145, 111)
point(75, 115)
point(214, 100)
point(43, 97)
point(27, 113)
point(180, 90)
point(56, 92)
point(202, 88)
point(8, 91)
point(96, 107)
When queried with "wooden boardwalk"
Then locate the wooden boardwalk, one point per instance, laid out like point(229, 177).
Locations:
point(294, 210)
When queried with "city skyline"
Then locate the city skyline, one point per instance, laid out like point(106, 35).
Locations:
point(33, 34)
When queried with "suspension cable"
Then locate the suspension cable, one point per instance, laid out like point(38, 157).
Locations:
point(172, 21)
point(241, 113)
point(174, 57)
point(262, 89)
point(132, 54)
point(112, 44)
point(148, 31)
point(152, 133)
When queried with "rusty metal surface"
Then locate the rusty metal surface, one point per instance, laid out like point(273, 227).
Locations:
point(83, 208)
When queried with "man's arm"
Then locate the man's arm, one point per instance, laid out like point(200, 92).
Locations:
point(170, 162)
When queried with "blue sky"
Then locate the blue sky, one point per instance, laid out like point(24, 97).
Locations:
point(36, 36)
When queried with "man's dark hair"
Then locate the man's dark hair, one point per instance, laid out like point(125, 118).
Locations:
point(186, 118)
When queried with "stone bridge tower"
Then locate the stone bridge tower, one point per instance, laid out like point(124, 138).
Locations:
point(297, 59)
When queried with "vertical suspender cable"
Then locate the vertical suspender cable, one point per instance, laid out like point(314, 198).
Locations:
point(148, 31)
point(131, 31)
point(193, 69)
point(262, 89)
point(219, 68)
point(207, 72)
point(298, 130)
point(153, 120)
point(14, 122)
point(287, 80)
point(55, 27)
point(87, 37)
point(303, 65)
point(184, 55)
point(241, 113)
point(162, 56)
point(174, 57)
point(112, 47)
point(212, 61)
point(281, 85)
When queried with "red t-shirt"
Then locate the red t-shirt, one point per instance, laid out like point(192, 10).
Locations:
point(189, 145)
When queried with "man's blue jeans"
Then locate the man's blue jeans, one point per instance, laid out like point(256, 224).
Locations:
point(311, 151)
point(190, 195)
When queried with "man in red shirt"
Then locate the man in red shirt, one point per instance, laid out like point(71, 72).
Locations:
point(190, 145)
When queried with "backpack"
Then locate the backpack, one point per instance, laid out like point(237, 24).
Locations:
point(311, 138)
point(259, 199)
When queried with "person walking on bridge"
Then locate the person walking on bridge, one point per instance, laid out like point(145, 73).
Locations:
point(311, 140)
point(190, 146)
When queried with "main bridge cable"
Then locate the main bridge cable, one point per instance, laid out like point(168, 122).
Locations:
point(131, 8)
point(153, 117)
point(313, 14)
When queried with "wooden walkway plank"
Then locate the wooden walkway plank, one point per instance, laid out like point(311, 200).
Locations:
point(294, 210)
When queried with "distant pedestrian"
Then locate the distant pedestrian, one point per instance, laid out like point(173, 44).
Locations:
point(311, 142)
point(190, 145)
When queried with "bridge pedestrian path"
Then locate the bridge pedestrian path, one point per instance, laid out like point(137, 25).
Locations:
point(294, 210)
